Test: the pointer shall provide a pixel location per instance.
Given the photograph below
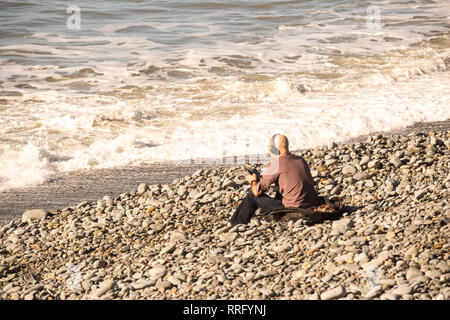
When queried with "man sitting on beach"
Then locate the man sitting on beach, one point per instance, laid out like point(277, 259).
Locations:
point(292, 175)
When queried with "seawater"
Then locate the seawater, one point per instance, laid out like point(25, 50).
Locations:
point(101, 84)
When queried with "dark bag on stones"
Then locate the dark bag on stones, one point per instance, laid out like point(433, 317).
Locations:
point(328, 209)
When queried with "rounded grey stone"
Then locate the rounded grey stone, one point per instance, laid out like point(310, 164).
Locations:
point(34, 215)
point(334, 293)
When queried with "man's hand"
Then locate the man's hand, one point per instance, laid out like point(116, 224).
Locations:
point(251, 178)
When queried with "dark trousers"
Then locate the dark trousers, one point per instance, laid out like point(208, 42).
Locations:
point(251, 203)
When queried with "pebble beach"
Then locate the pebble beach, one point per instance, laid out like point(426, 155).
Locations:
point(173, 241)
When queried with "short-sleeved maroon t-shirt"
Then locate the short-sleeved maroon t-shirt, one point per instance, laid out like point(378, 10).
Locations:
point(292, 175)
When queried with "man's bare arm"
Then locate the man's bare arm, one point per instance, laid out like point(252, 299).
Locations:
point(253, 179)
point(255, 190)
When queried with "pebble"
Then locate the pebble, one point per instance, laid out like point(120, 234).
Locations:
point(282, 248)
point(168, 249)
point(390, 235)
point(419, 194)
point(334, 293)
point(142, 188)
point(314, 173)
point(314, 296)
point(330, 267)
point(266, 293)
point(375, 291)
point(361, 176)
point(402, 290)
point(386, 283)
point(157, 226)
point(343, 258)
point(157, 272)
point(229, 236)
point(142, 284)
point(342, 225)
point(163, 285)
point(29, 296)
point(413, 273)
point(177, 236)
point(411, 252)
point(361, 258)
point(297, 275)
point(444, 266)
point(348, 170)
point(86, 285)
point(104, 287)
point(174, 241)
point(364, 160)
point(99, 264)
point(34, 215)
point(373, 164)
point(395, 160)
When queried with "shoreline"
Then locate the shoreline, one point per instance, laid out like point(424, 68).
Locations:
point(71, 188)
point(175, 241)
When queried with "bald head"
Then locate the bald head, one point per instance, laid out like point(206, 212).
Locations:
point(281, 142)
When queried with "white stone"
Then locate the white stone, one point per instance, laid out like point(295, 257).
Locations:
point(402, 290)
point(349, 169)
point(104, 287)
point(34, 215)
point(177, 236)
point(229, 236)
point(334, 293)
point(157, 272)
point(142, 284)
